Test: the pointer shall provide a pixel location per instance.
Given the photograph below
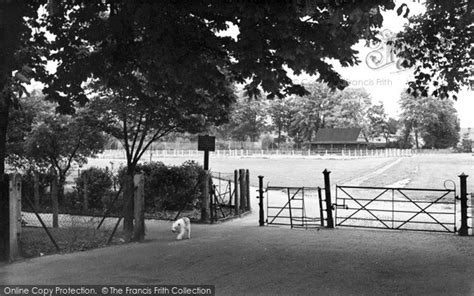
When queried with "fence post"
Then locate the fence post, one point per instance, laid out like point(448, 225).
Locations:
point(54, 199)
point(15, 216)
point(139, 207)
point(327, 190)
point(464, 228)
point(237, 193)
point(243, 194)
point(247, 188)
point(261, 220)
point(230, 192)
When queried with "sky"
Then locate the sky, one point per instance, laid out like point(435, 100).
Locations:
point(386, 83)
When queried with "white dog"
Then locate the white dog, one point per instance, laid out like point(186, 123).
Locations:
point(182, 225)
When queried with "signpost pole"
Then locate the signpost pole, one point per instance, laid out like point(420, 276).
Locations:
point(206, 143)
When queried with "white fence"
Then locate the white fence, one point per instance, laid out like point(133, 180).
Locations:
point(362, 153)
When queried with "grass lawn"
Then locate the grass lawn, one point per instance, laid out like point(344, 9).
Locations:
point(422, 170)
point(35, 241)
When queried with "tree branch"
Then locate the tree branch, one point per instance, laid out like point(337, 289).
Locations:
point(125, 139)
point(139, 152)
point(155, 137)
point(136, 132)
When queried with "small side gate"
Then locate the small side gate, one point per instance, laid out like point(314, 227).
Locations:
point(396, 208)
point(297, 207)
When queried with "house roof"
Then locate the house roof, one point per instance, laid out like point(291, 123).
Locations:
point(337, 135)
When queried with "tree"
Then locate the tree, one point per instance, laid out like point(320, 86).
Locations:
point(140, 117)
point(20, 55)
point(247, 120)
point(41, 140)
point(442, 129)
point(30, 111)
point(377, 122)
point(438, 45)
point(414, 112)
point(325, 108)
point(434, 120)
point(61, 140)
point(312, 112)
point(352, 110)
point(392, 128)
point(281, 114)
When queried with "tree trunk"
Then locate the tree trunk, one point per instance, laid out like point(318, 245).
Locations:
point(54, 200)
point(61, 184)
point(4, 113)
point(416, 139)
point(10, 20)
point(36, 190)
point(279, 136)
point(86, 192)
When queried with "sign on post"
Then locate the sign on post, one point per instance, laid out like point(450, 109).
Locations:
point(206, 143)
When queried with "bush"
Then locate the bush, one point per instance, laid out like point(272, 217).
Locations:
point(170, 187)
point(99, 183)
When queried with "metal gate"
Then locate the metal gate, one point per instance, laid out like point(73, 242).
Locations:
point(294, 206)
point(396, 208)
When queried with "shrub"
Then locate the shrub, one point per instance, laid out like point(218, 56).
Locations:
point(170, 187)
point(99, 183)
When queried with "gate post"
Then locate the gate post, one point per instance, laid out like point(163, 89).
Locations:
point(463, 230)
point(327, 190)
point(15, 215)
point(237, 192)
point(261, 221)
point(243, 194)
point(247, 189)
point(139, 207)
point(4, 218)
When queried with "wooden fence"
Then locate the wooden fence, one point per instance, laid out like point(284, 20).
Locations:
point(157, 154)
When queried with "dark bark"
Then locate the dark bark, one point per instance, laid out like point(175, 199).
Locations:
point(55, 201)
point(9, 39)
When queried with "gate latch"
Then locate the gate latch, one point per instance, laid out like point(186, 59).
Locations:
point(343, 206)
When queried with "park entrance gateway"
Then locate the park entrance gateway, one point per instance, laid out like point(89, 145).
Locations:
point(394, 208)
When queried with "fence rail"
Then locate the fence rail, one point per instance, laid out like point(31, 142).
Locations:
point(157, 154)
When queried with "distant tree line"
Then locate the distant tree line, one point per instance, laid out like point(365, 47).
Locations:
point(424, 122)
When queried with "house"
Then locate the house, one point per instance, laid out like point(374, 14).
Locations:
point(337, 139)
